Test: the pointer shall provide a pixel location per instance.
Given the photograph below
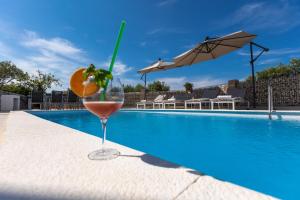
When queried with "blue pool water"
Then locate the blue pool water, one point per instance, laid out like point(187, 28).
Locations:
point(256, 153)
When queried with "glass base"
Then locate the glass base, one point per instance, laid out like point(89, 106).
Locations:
point(104, 154)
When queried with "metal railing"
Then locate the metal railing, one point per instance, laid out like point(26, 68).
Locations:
point(270, 100)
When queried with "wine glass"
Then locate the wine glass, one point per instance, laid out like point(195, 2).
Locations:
point(103, 103)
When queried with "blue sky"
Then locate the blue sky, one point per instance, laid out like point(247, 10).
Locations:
point(58, 36)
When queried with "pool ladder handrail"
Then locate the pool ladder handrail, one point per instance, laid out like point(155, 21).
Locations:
point(270, 100)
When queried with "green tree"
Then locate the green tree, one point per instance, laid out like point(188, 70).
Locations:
point(43, 81)
point(279, 70)
point(272, 72)
point(128, 88)
point(13, 79)
point(11, 74)
point(17, 88)
point(158, 86)
point(139, 88)
point(295, 64)
point(188, 87)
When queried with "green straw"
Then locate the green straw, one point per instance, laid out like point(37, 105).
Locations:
point(113, 59)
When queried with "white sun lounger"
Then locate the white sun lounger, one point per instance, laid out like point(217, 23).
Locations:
point(143, 103)
point(227, 99)
point(196, 102)
point(175, 100)
point(170, 101)
point(159, 100)
point(233, 96)
point(207, 95)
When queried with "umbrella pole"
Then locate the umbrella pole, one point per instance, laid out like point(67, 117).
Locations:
point(253, 76)
point(144, 78)
point(252, 60)
point(145, 87)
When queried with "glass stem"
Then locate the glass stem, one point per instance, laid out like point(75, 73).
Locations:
point(103, 123)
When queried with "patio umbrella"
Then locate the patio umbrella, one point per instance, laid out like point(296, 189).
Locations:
point(157, 66)
point(210, 49)
point(213, 48)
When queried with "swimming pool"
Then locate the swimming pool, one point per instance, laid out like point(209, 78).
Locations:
point(250, 151)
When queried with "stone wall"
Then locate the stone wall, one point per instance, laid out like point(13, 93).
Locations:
point(286, 91)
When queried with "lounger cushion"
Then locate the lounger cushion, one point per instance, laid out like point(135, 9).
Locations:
point(159, 98)
point(198, 100)
point(224, 97)
point(172, 99)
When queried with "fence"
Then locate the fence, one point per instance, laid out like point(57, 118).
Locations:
point(286, 93)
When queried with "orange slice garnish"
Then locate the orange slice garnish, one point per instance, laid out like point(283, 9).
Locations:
point(78, 87)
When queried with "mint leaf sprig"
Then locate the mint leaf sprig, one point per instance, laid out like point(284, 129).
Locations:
point(100, 75)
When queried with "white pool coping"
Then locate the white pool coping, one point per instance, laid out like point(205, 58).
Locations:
point(41, 159)
point(215, 110)
point(261, 114)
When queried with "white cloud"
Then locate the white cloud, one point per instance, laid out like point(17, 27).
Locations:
point(166, 31)
point(131, 81)
point(189, 46)
point(100, 41)
point(176, 83)
point(207, 81)
point(165, 51)
point(270, 61)
point(165, 3)
point(143, 43)
point(56, 45)
point(54, 55)
point(283, 51)
point(150, 61)
point(273, 52)
point(281, 16)
point(69, 28)
point(119, 69)
point(294, 56)
point(5, 51)
point(154, 31)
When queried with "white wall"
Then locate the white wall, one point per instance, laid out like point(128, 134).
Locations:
point(7, 102)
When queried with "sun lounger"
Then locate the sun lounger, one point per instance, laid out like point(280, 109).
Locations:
point(233, 96)
point(156, 101)
point(144, 104)
point(175, 100)
point(207, 95)
point(159, 100)
point(170, 101)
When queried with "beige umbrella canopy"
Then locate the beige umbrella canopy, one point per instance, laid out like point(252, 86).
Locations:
point(213, 48)
point(157, 66)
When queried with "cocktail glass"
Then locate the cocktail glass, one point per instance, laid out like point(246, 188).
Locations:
point(102, 104)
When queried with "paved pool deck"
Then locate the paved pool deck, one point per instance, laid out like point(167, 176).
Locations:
point(43, 160)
